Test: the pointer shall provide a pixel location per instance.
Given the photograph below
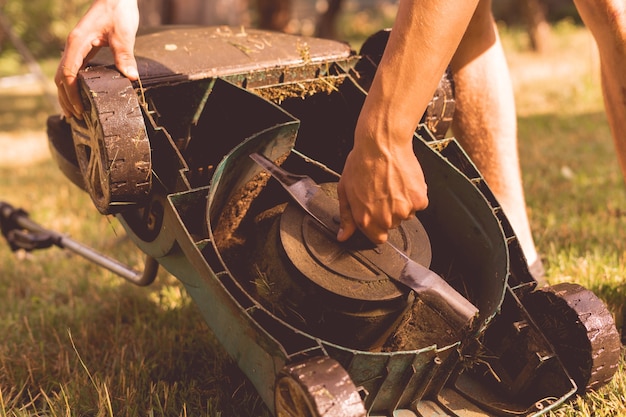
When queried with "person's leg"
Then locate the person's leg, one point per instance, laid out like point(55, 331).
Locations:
point(606, 19)
point(485, 122)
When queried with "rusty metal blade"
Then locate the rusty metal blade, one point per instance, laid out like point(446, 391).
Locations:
point(432, 289)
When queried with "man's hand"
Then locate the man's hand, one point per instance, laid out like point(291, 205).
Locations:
point(377, 191)
point(382, 181)
point(110, 23)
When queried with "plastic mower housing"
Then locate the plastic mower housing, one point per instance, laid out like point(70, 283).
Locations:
point(320, 328)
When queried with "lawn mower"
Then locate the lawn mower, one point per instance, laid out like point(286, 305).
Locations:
point(222, 162)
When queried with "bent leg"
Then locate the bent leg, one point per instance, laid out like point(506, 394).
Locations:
point(485, 122)
point(606, 19)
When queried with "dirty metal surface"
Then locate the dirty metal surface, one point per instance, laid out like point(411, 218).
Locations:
point(386, 257)
point(333, 267)
point(303, 301)
point(196, 53)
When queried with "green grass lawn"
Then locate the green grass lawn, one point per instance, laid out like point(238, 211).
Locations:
point(76, 340)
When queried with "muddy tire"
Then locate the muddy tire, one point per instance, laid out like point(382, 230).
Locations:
point(582, 331)
point(111, 142)
point(319, 387)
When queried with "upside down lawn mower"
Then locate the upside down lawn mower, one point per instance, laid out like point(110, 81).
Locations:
point(222, 166)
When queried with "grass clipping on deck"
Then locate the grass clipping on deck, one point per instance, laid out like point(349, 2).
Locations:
point(300, 89)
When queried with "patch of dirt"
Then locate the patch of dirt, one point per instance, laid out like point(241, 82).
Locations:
point(420, 327)
point(23, 148)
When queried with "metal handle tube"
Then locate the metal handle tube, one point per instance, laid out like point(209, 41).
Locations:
point(146, 277)
point(151, 266)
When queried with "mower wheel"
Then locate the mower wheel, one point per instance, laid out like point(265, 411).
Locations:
point(318, 387)
point(581, 330)
point(111, 142)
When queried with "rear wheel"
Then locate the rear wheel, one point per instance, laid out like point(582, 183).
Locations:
point(582, 331)
point(111, 142)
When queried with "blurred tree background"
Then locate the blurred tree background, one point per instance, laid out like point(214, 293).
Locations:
point(43, 25)
point(512, 11)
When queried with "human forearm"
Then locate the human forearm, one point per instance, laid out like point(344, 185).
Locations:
point(382, 183)
point(424, 38)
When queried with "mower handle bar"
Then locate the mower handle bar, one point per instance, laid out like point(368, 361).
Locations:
point(23, 233)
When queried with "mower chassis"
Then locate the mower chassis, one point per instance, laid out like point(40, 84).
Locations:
point(505, 365)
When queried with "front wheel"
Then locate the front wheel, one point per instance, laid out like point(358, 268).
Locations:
point(318, 387)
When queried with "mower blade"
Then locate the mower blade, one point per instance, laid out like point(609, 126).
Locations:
point(432, 289)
